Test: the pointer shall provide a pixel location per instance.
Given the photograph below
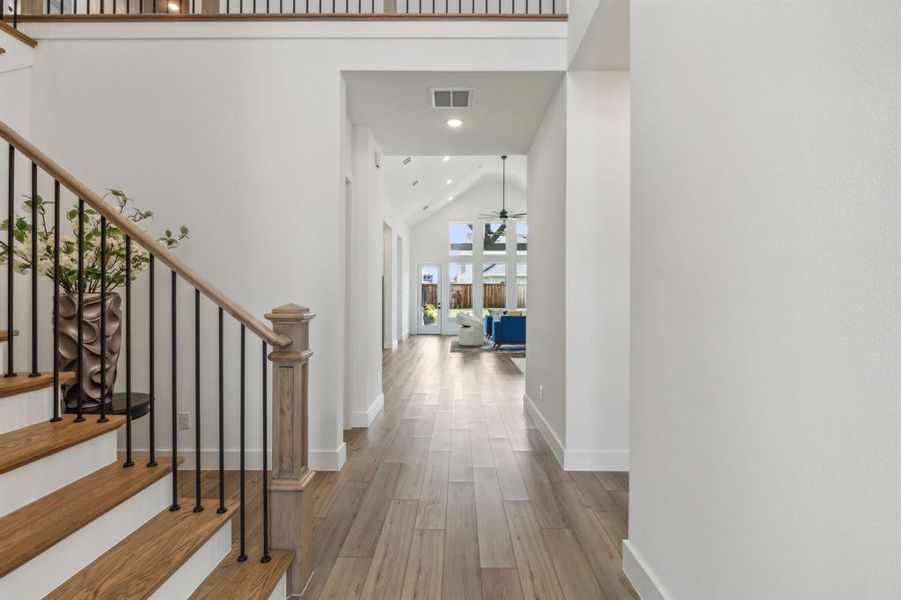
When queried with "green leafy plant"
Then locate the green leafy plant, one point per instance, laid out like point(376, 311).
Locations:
point(68, 245)
point(430, 312)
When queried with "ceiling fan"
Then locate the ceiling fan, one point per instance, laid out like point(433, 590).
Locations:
point(502, 214)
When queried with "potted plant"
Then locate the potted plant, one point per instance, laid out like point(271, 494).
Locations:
point(68, 283)
point(429, 314)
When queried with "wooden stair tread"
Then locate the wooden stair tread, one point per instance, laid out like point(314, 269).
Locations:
point(4, 334)
point(35, 527)
point(138, 565)
point(248, 580)
point(31, 443)
point(22, 383)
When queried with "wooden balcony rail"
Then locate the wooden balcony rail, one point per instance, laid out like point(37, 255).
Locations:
point(118, 10)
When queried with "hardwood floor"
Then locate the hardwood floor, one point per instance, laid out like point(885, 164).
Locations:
point(449, 496)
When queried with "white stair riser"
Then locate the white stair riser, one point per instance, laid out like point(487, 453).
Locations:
point(190, 575)
point(37, 479)
point(48, 570)
point(281, 589)
point(25, 409)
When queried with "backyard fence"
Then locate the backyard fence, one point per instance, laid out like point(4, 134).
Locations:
point(495, 295)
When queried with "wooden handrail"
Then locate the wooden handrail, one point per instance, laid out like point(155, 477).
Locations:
point(6, 28)
point(141, 237)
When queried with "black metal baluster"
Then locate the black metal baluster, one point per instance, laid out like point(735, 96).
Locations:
point(56, 222)
point(221, 419)
point(15, 14)
point(242, 556)
point(80, 315)
point(151, 367)
point(103, 236)
point(10, 264)
point(175, 505)
point(197, 504)
point(128, 461)
point(265, 558)
point(34, 271)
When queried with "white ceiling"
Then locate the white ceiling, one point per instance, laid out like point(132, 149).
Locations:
point(433, 172)
point(507, 109)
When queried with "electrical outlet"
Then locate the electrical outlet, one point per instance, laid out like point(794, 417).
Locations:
point(540, 393)
point(184, 420)
point(380, 378)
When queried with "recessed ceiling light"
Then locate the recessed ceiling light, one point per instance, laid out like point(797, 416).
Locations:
point(449, 181)
point(454, 123)
point(446, 158)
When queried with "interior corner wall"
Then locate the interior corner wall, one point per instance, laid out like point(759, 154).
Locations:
point(545, 399)
point(766, 300)
point(366, 286)
point(597, 271)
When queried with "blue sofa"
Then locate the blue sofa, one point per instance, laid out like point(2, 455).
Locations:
point(509, 330)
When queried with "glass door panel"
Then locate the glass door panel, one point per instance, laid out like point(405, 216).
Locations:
point(429, 299)
point(494, 287)
point(459, 281)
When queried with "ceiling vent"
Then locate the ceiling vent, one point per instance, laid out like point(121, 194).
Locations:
point(407, 160)
point(451, 97)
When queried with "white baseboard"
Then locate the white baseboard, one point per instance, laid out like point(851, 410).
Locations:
point(365, 418)
point(320, 460)
point(596, 460)
point(550, 436)
point(640, 576)
point(328, 460)
point(575, 460)
point(209, 457)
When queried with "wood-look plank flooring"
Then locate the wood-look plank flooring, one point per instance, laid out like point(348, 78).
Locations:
point(448, 495)
point(458, 499)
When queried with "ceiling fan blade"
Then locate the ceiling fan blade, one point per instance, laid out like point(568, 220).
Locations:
point(517, 215)
point(489, 216)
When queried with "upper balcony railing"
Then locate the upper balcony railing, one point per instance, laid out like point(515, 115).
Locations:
point(113, 10)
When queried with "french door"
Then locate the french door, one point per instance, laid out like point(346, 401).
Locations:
point(429, 318)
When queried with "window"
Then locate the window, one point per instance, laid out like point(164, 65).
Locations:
point(521, 281)
point(461, 239)
point(522, 236)
point(495, 240)
point(494, 286)
point(459, 277)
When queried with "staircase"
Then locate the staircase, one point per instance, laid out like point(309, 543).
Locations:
point(85, 515)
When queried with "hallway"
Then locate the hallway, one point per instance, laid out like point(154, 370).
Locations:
point(449, 495)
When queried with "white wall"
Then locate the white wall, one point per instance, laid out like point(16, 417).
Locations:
point(430, 238)
point(235, 129)
point(766, 300)
point(597, 270)
point(577, 371)
point(15, 111)
point(373, 213)
point(546, 325)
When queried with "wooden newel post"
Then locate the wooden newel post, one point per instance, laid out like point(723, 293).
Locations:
point(291, 517)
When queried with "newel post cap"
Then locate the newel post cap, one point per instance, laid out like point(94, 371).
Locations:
point(290, 312)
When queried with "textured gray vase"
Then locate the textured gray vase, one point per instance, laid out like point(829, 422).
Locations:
point(68, 346)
